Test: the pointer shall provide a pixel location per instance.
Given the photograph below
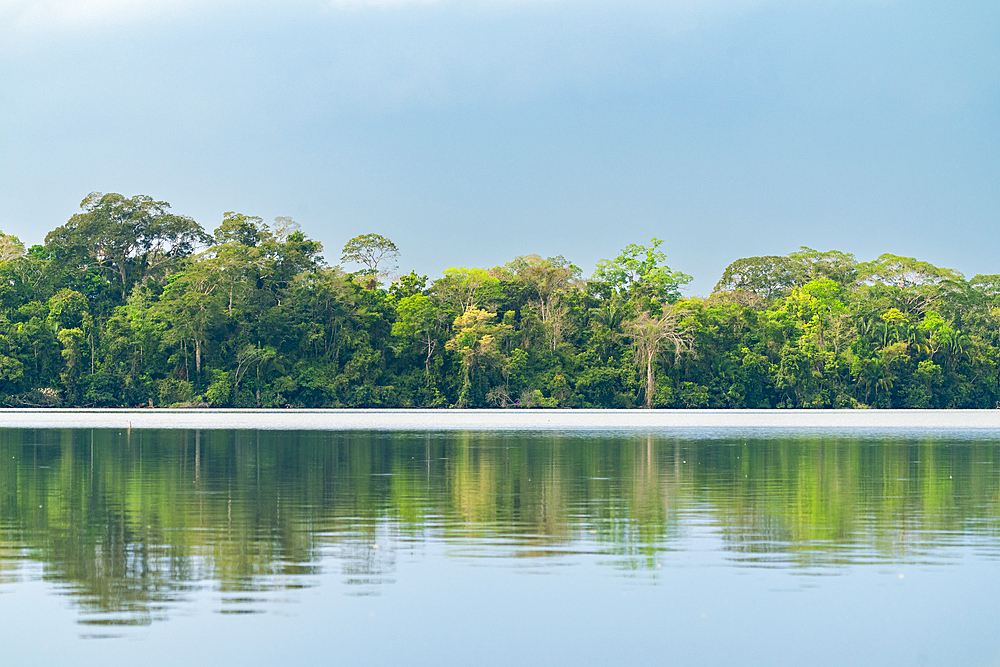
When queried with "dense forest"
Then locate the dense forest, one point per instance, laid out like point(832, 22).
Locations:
point(129, 304)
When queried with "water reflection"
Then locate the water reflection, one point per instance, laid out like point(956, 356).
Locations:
point(129, 524)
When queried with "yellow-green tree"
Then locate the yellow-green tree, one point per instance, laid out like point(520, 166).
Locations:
point(475, 341)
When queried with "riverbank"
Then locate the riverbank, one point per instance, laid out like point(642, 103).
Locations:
point(491, 420)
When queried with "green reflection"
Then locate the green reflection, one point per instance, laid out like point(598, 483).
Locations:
point(129, 523)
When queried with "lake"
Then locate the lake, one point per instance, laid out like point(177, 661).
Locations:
point(531, 547)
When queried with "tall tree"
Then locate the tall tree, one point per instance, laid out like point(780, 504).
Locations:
point(462, 288)
point(128, 239)
point(643, 270)
point(768, 277)
point(649, 333)
point(372, 250)
point(475, 340)
point(419, 318)
point(548, 280)
point(193, 305)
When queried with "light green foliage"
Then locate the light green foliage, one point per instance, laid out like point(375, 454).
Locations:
point(766, 277)
point(463, 288)
point(11, 248)
point(417, 314)
point(372, 250)
point(548, 281)
point(408, 285)
point(220, 390)
point(808, 264)
point(245, 230)
point(643, 270)
point(418, 317)
point(68, 309)
point(476, 342)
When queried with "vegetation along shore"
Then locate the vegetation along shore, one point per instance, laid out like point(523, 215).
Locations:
point(129, 304)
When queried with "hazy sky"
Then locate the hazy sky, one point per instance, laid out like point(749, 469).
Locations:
point(472, 131)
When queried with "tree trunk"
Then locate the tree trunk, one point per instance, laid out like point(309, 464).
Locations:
point(649, 381)
point(427, 362)
point(197, 356)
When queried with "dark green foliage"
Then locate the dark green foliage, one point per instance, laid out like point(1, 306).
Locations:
point(117, 309)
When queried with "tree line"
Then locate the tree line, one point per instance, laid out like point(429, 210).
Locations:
point(129, 304)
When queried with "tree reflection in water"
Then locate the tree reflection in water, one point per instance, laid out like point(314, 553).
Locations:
point(129, 523)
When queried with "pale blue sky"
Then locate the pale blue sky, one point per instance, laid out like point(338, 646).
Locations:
point(473, 131)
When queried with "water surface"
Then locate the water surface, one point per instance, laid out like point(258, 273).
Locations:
point(477, 548)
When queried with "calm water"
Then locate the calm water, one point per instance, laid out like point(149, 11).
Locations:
point(261, 548)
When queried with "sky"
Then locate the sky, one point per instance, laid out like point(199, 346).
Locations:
point(473, 131)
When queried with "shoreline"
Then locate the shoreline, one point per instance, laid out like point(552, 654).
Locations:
point(386, 419)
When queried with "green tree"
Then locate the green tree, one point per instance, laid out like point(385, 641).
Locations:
point(371, 250)
point(70, 319)
point(768, 277)
point(649, 334)
point(129, 239)
point(548, 281)
point(11, 248)
point(475, 341)
point(809, 264)
point(463, 288)
point(193, 306)
point(642, 269)
point(418, 317)
point(907, 283)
